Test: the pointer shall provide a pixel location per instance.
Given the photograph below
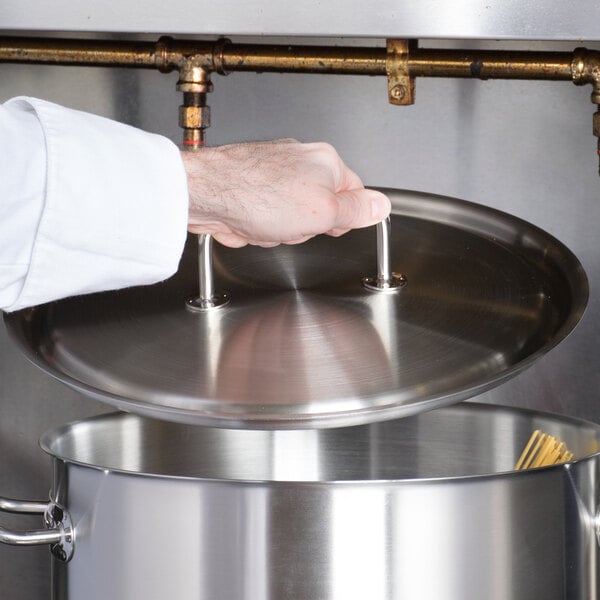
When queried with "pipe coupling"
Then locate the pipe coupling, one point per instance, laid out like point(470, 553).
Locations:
point(219, 55)
point(194, 78)
point(194, 117)
point(161, 54)
point(585, 68)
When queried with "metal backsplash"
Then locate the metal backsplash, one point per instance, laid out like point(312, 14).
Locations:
point(480, 19)
point(523, 147)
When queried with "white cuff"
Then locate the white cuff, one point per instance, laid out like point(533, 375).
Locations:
point(115, 212)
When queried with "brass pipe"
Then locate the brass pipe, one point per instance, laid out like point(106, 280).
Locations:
point(168, 54)
point(79, 52)
point(401, 61)
point(482, 64)
point(490, 64)
point(305, 59)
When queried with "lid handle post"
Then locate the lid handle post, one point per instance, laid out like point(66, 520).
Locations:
point(207, 298)
point(385, 280)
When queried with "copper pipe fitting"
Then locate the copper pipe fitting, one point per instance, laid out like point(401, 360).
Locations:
point(224, 56)
point(401, 61)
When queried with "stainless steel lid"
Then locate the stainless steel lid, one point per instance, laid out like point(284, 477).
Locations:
point(303, 344)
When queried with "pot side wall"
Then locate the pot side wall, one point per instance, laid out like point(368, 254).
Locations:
point(506, 538)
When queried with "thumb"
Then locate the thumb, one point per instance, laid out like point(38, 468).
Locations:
point(361, 208)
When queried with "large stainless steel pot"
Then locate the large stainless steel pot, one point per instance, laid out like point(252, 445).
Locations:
point(421, 508)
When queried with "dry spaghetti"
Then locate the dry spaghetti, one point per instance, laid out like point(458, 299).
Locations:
point(543, 450)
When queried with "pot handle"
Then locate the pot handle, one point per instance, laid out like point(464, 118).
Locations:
point(58, 533)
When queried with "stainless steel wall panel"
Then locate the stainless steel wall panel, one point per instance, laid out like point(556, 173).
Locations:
point(523, 147)
point(494, 19)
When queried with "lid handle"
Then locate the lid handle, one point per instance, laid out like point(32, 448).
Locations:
point(385, 280)
point(208, 299)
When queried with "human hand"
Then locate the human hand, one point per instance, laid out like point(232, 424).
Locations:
point(280, 192)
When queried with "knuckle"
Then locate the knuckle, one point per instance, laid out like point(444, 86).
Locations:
point(327, 150)
point(329, 212)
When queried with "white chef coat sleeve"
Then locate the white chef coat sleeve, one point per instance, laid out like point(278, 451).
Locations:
point(86, 204)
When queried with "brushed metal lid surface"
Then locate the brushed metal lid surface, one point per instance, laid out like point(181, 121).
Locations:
point(303, 344)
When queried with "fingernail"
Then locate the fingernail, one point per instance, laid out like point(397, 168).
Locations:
point(380, 207)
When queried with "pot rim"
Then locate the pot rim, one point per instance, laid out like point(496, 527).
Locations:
point(48, 437)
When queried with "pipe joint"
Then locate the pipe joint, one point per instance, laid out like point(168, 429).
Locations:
point(194, 77)
point(161, 54)
point(585, 66)
point(194, 117)
point(194, 114)
point(218, 56)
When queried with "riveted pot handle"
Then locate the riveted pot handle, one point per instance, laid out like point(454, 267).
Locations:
point(58, 532)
